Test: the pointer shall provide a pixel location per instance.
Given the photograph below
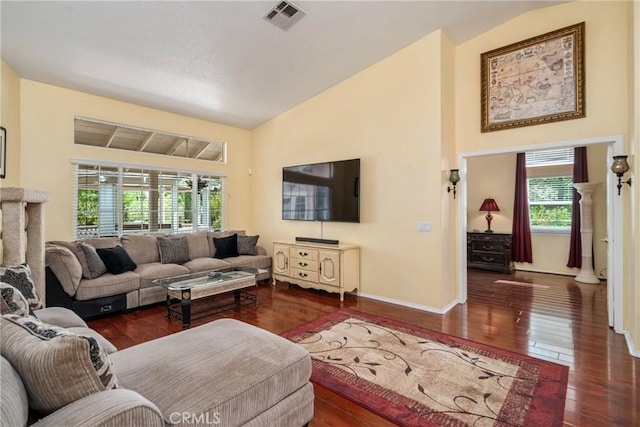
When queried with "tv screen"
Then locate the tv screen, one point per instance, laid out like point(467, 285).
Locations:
point(327, 191)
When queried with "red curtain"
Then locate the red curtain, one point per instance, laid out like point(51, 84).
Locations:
point(580, 174)
point(521, 230)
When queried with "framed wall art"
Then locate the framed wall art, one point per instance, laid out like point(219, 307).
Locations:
point(534, 81)
point(3, 151)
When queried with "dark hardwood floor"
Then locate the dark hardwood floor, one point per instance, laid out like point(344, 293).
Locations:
point(546, 316)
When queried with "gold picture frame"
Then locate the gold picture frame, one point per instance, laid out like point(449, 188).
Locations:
point(534, 81)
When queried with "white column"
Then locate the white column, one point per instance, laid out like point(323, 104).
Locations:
point(586, 274)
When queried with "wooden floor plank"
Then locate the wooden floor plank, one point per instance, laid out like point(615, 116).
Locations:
point(559, 319)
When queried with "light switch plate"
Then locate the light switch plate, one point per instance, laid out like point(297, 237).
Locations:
point(424, 226)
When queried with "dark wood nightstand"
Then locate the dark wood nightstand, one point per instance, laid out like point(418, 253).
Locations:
point(489, 251)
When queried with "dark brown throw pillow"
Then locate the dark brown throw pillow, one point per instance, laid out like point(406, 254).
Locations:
point(116, 259)
point(226, 246)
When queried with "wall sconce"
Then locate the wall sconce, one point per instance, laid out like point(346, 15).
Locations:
point(454, 178)
point(620, 167)
point(489, 205)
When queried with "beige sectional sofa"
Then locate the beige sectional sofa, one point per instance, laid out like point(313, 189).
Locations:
point(70, 285)
point(225, 373)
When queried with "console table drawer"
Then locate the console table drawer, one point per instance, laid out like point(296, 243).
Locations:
point(304, 253)
point(304, 264)
point(311, 276)
point(488, 257)
point(498, 247)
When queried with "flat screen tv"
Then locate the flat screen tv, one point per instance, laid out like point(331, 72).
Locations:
point(327, 191)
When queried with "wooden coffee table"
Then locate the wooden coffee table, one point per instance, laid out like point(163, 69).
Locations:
point(217, 291)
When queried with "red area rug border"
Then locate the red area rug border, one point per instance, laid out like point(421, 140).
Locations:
point(551, 395)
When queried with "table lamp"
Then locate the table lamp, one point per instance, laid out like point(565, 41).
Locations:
point(489, 205)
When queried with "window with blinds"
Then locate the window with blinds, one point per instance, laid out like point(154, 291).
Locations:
point(113, 200)
point(550, 189)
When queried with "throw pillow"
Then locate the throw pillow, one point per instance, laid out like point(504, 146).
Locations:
point(247, 244)
point(226, 246)
point(116, 259)
point(12, 301)
point(94, 262)
point(57, 367)
point(20, 278)
point(173, 250)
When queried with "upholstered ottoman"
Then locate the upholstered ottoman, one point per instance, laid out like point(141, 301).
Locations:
point(225, 373)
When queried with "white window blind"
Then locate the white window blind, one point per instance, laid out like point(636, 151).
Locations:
point(560, 156)
point(112, 200)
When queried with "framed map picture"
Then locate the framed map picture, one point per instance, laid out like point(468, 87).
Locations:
point(534, 81)
point(3, 151)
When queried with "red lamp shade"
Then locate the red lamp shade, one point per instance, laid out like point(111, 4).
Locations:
point(489, 205)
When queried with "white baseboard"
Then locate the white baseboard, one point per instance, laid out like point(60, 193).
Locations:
point(421, 307)
point(633, 350)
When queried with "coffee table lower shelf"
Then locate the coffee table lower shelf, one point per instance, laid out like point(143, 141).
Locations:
point(184, 309)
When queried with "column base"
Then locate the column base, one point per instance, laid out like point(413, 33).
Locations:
point(587, 277)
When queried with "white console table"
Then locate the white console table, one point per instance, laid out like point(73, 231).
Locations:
point(333, 268)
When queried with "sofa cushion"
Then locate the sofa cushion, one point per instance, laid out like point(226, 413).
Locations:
point(98, 242)
point(239, 370)
point(198, 243)
point(156, 270)
point(116, 259)
point(12, 301)
point(14, 405)
point(206, 264)
point(247, 244)
point(57, 367)
point(95, 265)
point(250, 261)
point(19, 277)
point(107, 285)
point(60, 316)
point(111, 408)
point(142, 248)
point(65, 265)
point(173, 250)
point(226, 246)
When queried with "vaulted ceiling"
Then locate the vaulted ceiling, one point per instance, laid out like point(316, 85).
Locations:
point(220, 60)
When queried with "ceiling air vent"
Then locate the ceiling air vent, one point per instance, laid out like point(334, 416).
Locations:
point(284, 15)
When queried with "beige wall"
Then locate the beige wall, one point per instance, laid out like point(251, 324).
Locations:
point(493, 176)
point(10, 120)
point(634, 235)
point(47, 149)
point(393, 117)
point(606, 62)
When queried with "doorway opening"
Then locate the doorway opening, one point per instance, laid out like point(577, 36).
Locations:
point(614, 146)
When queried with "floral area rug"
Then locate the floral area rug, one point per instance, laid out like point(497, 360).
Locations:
point(418, 377)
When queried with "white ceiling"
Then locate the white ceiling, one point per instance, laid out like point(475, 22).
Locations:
point(218, 60)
